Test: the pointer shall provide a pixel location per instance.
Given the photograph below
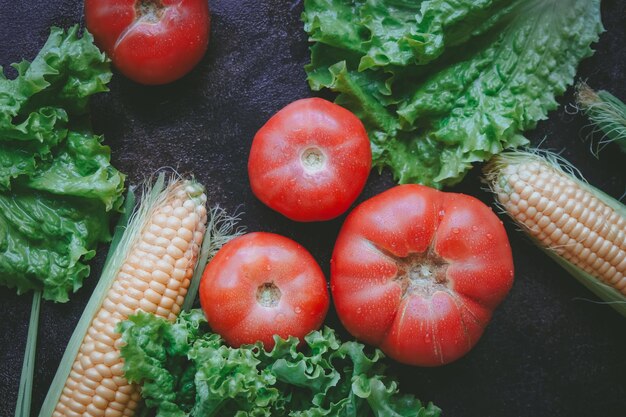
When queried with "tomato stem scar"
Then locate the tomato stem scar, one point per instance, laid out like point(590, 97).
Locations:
point(313, 159)
point(149, 10)
point(422, 274)
point(268, 294)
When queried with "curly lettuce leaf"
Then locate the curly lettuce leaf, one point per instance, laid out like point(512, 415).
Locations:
point(57, 185)
point(185, 370)
point(81, 167)
point(441, 84)
point(43, 240)
point(34, 106)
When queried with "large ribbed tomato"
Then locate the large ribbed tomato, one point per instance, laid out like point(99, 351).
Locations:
point(310, 161)
point(150, 41)
point(260, 285)
point(418, 272)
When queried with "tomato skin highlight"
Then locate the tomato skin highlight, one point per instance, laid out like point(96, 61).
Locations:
point(156, 47)
point(418, 273)
point(233, 284)
point(310, 161)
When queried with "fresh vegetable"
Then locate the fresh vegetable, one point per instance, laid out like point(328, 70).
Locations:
point(608, 114)
point(184, 370)
point(25, 391)
point(418, 273)
point(57, 186)
point(310, 161)
point(150, 41)
point(580, 227)
point(150, 270)
point(441, 84)
point(260, 285)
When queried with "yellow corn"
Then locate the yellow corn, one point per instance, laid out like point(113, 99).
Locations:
point(567, 216)
point(154, 278)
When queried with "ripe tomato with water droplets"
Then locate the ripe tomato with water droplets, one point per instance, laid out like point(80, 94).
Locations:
point(310, 161)
point(150, 41)
point(260, 285)
point(418, 272)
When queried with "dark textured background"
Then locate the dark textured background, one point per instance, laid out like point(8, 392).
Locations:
point(549, 351)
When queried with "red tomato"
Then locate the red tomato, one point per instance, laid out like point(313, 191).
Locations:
point(150, 41)
point(310, 161)
point(262, 284)
point(418, 272)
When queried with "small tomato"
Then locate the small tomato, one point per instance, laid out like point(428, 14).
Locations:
point(260, 285)
point(310, 161)
point(150, 41)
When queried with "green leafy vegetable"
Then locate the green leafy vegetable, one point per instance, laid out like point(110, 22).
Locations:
point(441, 84)
point(57, 186)
point(185, 370)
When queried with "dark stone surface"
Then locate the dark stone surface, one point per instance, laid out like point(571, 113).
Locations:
point(550, 349)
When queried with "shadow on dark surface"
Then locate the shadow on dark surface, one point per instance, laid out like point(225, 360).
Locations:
point(549, 351)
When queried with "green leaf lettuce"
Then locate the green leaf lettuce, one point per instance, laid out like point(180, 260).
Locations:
point(185, 370)
point(57, 186)
point(441, 84)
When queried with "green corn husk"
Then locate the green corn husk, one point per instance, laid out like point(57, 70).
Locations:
point(607, 113)
point(25, 392)
point(494, 178)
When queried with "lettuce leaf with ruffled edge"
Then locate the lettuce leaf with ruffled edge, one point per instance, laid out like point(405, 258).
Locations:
point(57, 185)
point(185, 370)
point(441, 84)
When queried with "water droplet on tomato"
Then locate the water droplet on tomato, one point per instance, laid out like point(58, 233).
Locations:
point(474, 228)
point(268, 267)
point(455, 230)
point(358, 310)
point(298, 310)
point(442, 213)
point(489, 236)
point(427, 338)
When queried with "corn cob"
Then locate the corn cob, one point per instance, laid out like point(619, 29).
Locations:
point(159, 258)
point(562, 213)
